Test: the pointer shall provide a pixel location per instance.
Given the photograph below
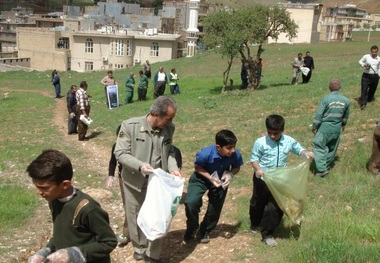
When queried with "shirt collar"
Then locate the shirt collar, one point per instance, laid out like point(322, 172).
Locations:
point(68, 198)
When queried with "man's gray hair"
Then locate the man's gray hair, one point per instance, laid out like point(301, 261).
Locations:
point(161, 104)
point(334, 84)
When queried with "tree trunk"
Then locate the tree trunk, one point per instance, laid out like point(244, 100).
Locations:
point(226, 74)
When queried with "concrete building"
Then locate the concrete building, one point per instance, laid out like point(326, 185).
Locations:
point(64, 49)
point(338, 22)
point(308, 18)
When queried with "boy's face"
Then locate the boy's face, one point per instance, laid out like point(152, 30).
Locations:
point(51, 190)
point(275, 135)
point(227, 150)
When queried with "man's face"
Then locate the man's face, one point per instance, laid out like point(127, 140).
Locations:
point(74, 89)
point(374, 52)
point(48, 189)
point(226, 150)
point(274, 135)
point(300, 56)
point(308, 54)
point(161, 122)
point(110, 74)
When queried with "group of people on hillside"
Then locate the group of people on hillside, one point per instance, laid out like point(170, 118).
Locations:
point(160, 81)
point(145, 143)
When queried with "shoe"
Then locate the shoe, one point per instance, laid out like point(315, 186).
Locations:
point(84, 139)
point(362, 107)
point(138, 256)
point(152, 260)
point(254, 229)
point(188, 237)
point(122, 239)
point(270, 241)
point(205, 238)
point(322, 174)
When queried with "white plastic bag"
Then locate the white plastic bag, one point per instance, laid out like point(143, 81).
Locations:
point(305, 70)
point(161, 203)
point(85, 120)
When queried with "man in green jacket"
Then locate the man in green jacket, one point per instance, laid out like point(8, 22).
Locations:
point(129, 86)
point(330, 119)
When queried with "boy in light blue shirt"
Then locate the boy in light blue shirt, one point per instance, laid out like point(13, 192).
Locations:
point(268, 152)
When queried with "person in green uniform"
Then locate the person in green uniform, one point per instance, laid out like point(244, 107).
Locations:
point(81, 230)
point(143, 86)
point(329, 121)
point(129, 86)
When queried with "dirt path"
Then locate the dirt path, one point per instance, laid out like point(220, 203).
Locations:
point(225, 242)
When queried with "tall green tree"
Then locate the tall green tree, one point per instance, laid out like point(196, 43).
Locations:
point(232, 33)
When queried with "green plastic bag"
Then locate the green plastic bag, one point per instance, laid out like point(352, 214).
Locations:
point(288, 187)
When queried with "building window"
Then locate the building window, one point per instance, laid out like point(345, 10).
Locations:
point(64, 43)
point(88, 66)
point(129, 48)
point(119, 47)
point(89, 47)
point(111, 47)
point(119, 66)
point(154, 49)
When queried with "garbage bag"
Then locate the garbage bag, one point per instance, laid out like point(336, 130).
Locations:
point(160, 205)
point(305, 70)
point(288, 187)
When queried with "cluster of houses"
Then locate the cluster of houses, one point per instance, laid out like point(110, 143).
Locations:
point(113, 35)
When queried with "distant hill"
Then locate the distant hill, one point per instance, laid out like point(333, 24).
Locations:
point(372, 6)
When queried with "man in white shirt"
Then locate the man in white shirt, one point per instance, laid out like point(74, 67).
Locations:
point(370, 77)
point(159, 80)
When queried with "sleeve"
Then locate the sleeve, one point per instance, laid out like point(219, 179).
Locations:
point(255, 153)
point(112, 163)
point(312, 63)
point(98, 222)
point(362, 61)
point(318, 116)
point(296, 148)
point(239, 160)
point(123, 148)
point(200, 159)
point(346, 114)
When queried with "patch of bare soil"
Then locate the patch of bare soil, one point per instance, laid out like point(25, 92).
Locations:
point(226, 244)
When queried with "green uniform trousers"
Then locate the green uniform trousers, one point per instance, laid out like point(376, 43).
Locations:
point(129, 96)
point(325, 146)
point(198, 185)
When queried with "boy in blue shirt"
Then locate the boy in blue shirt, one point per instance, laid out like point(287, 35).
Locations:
point(214, 167)
point(268, 152)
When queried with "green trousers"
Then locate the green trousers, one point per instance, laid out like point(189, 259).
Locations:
point(198, 186)
point(325, 146)
point(129, 96)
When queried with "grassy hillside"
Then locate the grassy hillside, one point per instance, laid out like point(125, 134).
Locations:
point(341, 213)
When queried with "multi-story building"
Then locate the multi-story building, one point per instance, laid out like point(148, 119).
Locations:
point(339, 22)
point(64, 49)
point(307, 17)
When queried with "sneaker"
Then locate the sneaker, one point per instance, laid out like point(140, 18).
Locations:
point(254, 229)
point(122, 239)
point(270, 241)
point(205, 238)
point(137, 256)
point(322, 174)
point(188, 237)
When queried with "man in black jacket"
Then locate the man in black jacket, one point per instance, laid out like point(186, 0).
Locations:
point(308, 61)
point(71, 103)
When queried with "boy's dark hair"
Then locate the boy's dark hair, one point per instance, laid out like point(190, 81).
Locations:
point(141, 72)
point(83, 84)
point(225, 138)
point(374, 47)
point(275, 122)
point(51, 165)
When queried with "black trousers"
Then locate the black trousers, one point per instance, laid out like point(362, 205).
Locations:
point(305, 79)
point(263, 209)
point(369, 86)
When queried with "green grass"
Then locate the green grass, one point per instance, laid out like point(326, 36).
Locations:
point(341, 214)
